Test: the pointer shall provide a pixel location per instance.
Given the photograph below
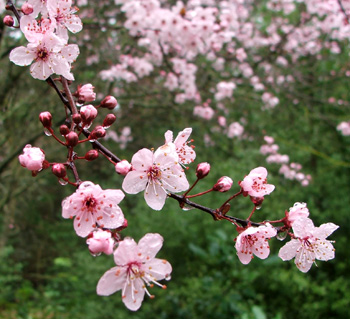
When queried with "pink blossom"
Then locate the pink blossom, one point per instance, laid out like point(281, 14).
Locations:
point(202, 170)
point(344, 128)
point(156, 173)
point(88, 114)
point(92, 206)
point(253, 241)
point(101, 241)
point(136, 269)
point(299, 210)
point(255, 183)
point(223, 184)
point(205, 112)
point(235, 129)
point(310, 244)
point(32, 158)
point(85, 93)
point(186, 153)
point(123, 167)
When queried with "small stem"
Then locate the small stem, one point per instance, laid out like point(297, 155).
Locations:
point(232, 197)
point(69, 95)
point(252, 212)
point(194, 184)
point(200, 194)
point(55, 137)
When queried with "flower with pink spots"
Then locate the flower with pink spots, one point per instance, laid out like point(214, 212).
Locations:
point(299, 210)
point(136, 269)
point(253, 241)
point(32, 158)
point(309, 244)
point(255, 183)
point(92, 206)
point(156, 173)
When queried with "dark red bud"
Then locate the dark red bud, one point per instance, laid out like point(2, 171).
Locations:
point(64, 130)
point(109, 120)
point(91, 155)
point(257, 201)
point(59, 170)
point(46, 119)
point(109, 102)
point(72, 139)
point(98, 132)
point(76, 118)
point(8, 20)
point(202, 170)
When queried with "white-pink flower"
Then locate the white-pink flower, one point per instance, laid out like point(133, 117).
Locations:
point(310, 244)
point(32, 158)
point(136, 269)
point(186, 153)
point(253, 241)
point(299, 210)
point(255, 183)
point(92, 206)
point(156, 173)
point(101, 241)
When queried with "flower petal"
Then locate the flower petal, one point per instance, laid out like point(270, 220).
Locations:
point(112, 281)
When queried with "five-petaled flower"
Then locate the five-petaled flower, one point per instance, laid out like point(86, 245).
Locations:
point(156, 173)
point(136, 269)
point(255, 183)
point(92, 206)
point(309, 244)
point(253, 240)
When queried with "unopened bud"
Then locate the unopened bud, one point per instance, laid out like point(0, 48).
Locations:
point(91, 155)
point(223, 184)
point(98, 132)
point(109, 120)
point(64, 130)
point(257, 201)
point(59, 170)
point(88, 113)
point(72, 139)
point(76, 118)
point(85, 93)
point(27, 8)
point(46, 119)
point(123, 167)
point(109, 102)
point(202, 170)
point(8, 20)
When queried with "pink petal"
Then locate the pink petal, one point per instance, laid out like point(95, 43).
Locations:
point(325, 230)
point(41, 70)
point(261, 249)
point(303, 227)
point(289, 250)
point(168, 136)
point(84, 224)
point(22, 56)
point(245, 257)
point(304, 259)
point(126, 252)
point(324, 250)
point(174, 180)
point(155, 196)
point(182, 137)
point(149, 245)
point(158, 268)
point(74, 24)
point(142, 160)
point(135, 182)
point(112, 281)
point(134, 294)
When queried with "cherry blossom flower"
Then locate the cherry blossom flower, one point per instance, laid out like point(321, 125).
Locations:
point(253, 241)
point(92, 206)
point(32, 158)
point(299, 210)
point(186, 153)
point(136, 269)
point(310, 244)
point(255, 183)
point(101, 241)
point(156, 173)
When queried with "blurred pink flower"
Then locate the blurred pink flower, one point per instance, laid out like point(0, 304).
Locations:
point(255, 184)
point(136, 269)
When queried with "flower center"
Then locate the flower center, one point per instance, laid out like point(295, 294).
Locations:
point(259, 184)
point(90, 203)
point(154, 172)
point(42, 54)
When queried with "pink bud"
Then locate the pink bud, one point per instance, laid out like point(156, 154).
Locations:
point(101, 241)
point(88, 114)
point(109, 120)
point(46, 119)
point(203, 170)
point(76, 118)
point(59, 170)
point(98, 132)
point(27, 8)
point(85, 93)
point(91, 155)
point(64, 130)
point(8, 20)
point(223, 184)
point(109, 102)
point(257, 201)
point(32, 158)
point(123, 167)
point(72, 139)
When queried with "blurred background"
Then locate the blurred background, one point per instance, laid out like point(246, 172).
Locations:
point(46, 271)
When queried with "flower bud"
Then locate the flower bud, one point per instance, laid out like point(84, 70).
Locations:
point(123, 167)
point(257, 201)
point(85, 93)
point(59, 170)
point(8, 20)
point(109, 102)
point(223, 184)
point(27, 8)
point(32, 158)
point(202, 170)
point(109, 120)
point(98, 132)
point(91, 155)
point(101, 241)
point(88, 114)
point(72, 139)
point(76, 118)
point(64, 130)
point(45, 119)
